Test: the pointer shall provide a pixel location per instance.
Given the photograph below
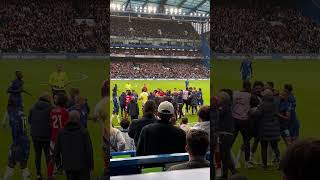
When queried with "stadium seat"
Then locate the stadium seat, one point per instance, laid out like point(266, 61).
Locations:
point(134, 165)
point(192, 174)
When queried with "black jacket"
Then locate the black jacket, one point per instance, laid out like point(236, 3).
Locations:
point(267, 114)
point(161, 138)
point(75, 147)
point(137, 125)
point(133, 109)
point(39, 120)
point(122, 100)
point(226, 122)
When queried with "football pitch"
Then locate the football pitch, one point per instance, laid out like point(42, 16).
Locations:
point(164, 85)
point(87, 75)
point(303, 75)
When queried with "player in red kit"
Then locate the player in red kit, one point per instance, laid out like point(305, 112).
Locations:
point(59, 117)
point(128, 99)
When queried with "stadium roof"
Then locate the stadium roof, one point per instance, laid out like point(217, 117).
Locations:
point(187, 6)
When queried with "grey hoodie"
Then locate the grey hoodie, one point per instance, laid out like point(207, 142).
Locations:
point(205, 126)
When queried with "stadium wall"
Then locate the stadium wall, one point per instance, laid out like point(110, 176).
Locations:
point(6, 56)
point(269, 56)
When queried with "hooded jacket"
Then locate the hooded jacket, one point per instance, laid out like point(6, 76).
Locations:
point(133, 108)
point(39, 120)
point(137, 125)
point(74, 147)
point(161, 138)
point(269, 125)
point(205, 126)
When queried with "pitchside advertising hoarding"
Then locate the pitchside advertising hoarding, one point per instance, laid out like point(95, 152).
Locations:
point(7, 56)
point(106, 56)
point(269, 56)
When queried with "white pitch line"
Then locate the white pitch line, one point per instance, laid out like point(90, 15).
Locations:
point(82, 78)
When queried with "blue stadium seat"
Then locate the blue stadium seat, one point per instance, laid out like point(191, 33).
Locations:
point(134, 165)
point(123, 153)
point(192, 174)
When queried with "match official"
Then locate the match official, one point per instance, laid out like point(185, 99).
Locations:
point(58, 81)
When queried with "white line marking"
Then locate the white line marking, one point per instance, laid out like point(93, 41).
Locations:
point(82, 78)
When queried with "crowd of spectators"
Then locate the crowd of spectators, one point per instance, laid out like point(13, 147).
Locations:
point(34, 26)
point(152, 28)
point(193, 69)
point(156, 52)
point(268, 30)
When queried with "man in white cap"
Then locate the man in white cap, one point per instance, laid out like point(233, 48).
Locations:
point(162, 137)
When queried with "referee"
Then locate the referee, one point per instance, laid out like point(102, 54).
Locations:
point(58, 81)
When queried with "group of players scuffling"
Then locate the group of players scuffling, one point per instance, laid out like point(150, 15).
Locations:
point(127, 103)
point(260, 113)
point(58, 124)
point(156, 131)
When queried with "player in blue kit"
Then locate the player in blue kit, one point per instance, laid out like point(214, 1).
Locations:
point(284, 114)
point(16, 89)
point(19, 149)
point(115, 103)
point(187, 83)
point(294, 125)
point(246, 69)
point(200, 97)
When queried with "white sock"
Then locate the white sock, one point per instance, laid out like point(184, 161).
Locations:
point(25, 174)
point(8, 174)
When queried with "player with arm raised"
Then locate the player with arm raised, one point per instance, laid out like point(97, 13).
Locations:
point(246, 69)
point(15, 91)
point(58, 81)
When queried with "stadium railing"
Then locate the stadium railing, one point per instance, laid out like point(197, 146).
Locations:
point(268, 56)
point(134, 165)
point(123, 153)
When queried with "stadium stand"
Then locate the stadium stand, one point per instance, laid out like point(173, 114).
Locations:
point(263, 31)
point(152, 28)
point(168, 31)
point(54, 26)
point(166, 68)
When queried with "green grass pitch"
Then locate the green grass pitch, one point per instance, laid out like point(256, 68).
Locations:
point(303, 75)
point(85, 74)
point(164, 85)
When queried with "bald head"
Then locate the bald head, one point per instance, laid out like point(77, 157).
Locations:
point(74, 116)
